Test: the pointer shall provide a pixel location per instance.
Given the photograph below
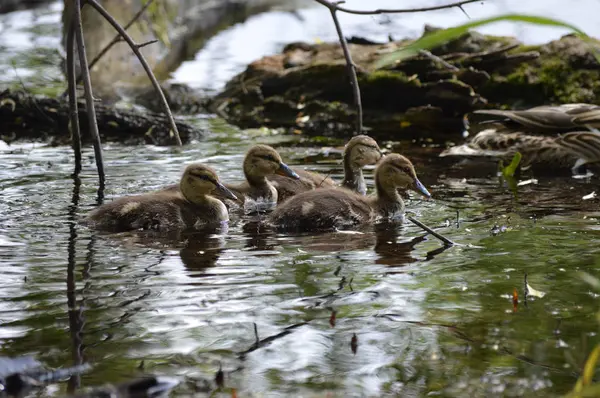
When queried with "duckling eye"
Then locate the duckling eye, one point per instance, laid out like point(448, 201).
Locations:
point(270, 158)
point(204, 177)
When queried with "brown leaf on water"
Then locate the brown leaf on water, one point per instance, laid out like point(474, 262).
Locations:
point(332, 318)
point(515, 299)
point(220, 378)
point(233, 393)
point(354, 343)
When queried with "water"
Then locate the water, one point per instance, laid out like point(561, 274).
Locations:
point(427, 321)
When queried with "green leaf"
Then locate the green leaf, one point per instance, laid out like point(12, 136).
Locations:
point(439, 37)
point(588, 370)
point(509, 171)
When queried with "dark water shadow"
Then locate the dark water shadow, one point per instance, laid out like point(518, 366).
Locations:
point(201, 251)
point(75, 315)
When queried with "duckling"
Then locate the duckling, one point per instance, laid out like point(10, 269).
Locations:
point(519, 131)
point(260, 161)
point(190, 207)
point(359, 152)
point(327, 209)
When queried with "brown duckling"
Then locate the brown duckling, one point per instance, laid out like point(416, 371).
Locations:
point(260, 161)
point(327, 209)
point(192, 206)
point(359, 152)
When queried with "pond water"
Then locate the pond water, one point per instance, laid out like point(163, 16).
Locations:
point(426, 320)
point(385, 312)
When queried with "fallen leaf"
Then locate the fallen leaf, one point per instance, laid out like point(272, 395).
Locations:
point(589, 196)
point(535, 293)
point(527, 182)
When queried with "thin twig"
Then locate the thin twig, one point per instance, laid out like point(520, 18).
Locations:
point(114, 41)
point(72, 90)
point(447, 242)
point(458, 4)
point(147, 68)
point(144, 44)
point(89, 96)
point(349, 64)
point(117, 37)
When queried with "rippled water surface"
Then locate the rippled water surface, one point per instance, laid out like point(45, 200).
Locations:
point(425, 319)
point(381, 313)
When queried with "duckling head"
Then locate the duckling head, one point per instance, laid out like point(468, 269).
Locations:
point(397, 172)
point(361, 151)
point(199, 180)
point(262, 161)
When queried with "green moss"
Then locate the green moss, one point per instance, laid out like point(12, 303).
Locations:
point(551, 79)
point(525, 48)
point(386, 77)
point(563, 84)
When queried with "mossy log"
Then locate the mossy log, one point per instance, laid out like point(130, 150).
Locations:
point(306, 87)
point(25, 117)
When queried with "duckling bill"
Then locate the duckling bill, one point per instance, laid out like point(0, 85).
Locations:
point(329, 209)
point(192, 206)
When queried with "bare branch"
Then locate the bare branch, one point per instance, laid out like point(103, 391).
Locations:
point(117, 37)
point(349, 63)
point(72, 90)
point(114, 41)
point(336, 7)
point(351, 71)
point(144, 44)
point(143, 61)
point(89, 96)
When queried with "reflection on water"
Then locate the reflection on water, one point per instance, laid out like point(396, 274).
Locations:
point(279, 312)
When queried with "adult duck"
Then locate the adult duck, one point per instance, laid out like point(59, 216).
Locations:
point(553, 137)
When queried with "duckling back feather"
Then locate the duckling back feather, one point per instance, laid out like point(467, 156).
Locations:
point(323, 209)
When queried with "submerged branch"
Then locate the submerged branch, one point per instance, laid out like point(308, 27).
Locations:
point(89, 96)
point(136, 50)
point(72, 91)
point(447, 242)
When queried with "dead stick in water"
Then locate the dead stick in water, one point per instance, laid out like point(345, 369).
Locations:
point(89, 96)
point(136, 50)
point(447, 242)
point(72, 91)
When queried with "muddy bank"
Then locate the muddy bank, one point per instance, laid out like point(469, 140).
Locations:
point(306, 88)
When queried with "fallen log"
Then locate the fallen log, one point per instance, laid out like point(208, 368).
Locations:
point(24, 117)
